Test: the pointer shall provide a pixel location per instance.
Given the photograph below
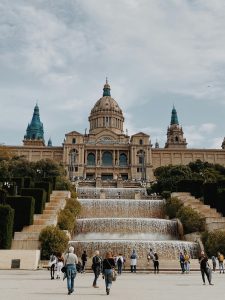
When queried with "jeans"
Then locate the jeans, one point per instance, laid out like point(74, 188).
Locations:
point(108, 278)
point(120, 267)
point(221, 268)
point(187, 266)
point(71, 273)
point(97, 272)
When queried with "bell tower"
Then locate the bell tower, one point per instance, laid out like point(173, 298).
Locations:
point(175, 135)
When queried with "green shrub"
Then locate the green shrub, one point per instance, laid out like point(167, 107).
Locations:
point(6, 226)
point(214, 241)
point(172, 206)
point(192, 221)
point(53, 240)
point(40, 198)
point(66, 220)
point(73, 205)
point(24, 211)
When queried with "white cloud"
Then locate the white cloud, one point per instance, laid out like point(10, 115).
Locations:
point(155, 53)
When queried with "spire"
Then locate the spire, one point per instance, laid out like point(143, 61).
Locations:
point(49, 142)
point(106, 89)
point(35, 129)
point(156, 144)
point(174, 118)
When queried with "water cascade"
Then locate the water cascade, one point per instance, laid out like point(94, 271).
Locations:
point(120, 223)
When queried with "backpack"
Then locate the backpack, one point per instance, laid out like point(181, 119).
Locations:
point(133, 256)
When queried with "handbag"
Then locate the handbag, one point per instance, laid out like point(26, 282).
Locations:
point(114, 275)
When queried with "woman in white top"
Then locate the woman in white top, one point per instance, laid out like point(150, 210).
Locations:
point(70, 261)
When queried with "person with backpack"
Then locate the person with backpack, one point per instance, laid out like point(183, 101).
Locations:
point(84, 261)
point(133, 262)
point(96, 267)
point(119, 262)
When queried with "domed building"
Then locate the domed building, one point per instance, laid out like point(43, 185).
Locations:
point(105, 153)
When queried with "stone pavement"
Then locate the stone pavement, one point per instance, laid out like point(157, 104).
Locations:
point(32, 285)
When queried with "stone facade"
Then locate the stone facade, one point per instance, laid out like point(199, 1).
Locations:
point(108, 153)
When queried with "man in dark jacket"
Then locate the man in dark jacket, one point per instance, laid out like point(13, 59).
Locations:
point(96, 267)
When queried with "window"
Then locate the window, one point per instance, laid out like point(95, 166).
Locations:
point(176, 139)
point(140, 142)
point(107, 158)
point(74, 141)
point(91, 159)
point(123, 159)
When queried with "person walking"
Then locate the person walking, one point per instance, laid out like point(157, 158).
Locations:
point(52, 264)
point(96, 267)
point(205, 268)
point(60, 261)
point(220, 258)
point(119, 262)
point(84, 261)
point(107, 270)
point(186, 262)
point(181, 258)
point(70, 262)
point(213, 263)
point(133, 262)
point(156, 263)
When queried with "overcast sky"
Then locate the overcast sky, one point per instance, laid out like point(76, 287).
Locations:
point(155, 53)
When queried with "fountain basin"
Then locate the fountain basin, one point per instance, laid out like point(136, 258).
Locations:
point(122, 208)
point(124, 226)
point(165, 249)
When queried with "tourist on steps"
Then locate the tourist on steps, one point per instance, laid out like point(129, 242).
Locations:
point(107, 270)
point(96, 267)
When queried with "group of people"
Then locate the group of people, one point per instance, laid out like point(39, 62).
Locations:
point(107, 266)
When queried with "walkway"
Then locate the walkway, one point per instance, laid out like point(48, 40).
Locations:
point(36, 285)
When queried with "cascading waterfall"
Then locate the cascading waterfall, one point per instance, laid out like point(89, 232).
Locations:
point(120, 223)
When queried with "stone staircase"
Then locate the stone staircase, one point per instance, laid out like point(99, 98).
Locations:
point(214, 219)
point(28, 237)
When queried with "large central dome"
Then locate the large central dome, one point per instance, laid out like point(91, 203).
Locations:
point(106, 113)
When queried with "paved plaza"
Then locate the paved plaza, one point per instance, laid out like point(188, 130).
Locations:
point(32, 285)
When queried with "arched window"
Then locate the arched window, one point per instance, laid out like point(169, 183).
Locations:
point(91, 159)
point(140, 142)
point(107, 158)
point(176, 139)
point(73, 141)
point(123, 159)
point(141, 156)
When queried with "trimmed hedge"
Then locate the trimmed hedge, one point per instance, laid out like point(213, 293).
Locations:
point(19, 181)
point(24, 211)
point(27, 182)
point(6, 226)
point(47, 186)
point(40, 198)
point(195, 187)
